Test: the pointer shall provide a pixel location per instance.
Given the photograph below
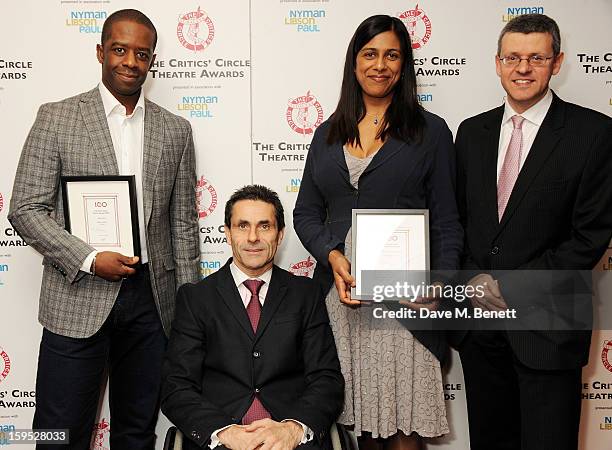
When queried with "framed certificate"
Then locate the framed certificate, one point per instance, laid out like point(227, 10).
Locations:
point(102, 211)
point(388, 246)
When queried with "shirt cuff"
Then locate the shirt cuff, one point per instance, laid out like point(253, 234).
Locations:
point(308, 434)
point(214, 438)
point(86, 267)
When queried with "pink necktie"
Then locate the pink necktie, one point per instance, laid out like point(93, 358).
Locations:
point(256, 411)
point(510, 168)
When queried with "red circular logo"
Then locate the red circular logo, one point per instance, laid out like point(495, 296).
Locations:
point(304, 113)
point(206, 198)
point(195, 30)
point(418, 25)
point(304, 268)
point(605, 359)
point(5, 364)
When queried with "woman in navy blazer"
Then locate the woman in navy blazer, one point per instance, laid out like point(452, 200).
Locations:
point(380, 149)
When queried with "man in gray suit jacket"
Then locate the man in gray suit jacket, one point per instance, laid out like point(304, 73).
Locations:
point(104, 310)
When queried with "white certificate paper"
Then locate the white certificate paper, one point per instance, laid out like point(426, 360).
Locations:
point(101, 210)
point(388, 240)
point(102, 220)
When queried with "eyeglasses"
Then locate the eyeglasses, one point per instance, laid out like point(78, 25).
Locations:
point(533, 61)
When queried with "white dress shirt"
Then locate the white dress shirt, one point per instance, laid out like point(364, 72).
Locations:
point(534, 117)
point(239, 278)
point(127, 134)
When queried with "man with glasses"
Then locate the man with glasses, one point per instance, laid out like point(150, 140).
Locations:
point(533, 194)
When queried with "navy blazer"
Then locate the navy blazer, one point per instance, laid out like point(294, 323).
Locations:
point(401, 175)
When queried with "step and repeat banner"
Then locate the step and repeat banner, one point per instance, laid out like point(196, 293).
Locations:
point(255, 79)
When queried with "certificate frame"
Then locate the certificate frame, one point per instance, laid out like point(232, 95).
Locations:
point(371, 232)
point(102, 210)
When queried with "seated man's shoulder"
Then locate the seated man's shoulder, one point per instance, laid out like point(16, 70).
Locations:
point(302, 284)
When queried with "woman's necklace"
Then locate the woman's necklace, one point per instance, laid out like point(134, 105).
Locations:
point(375, 117)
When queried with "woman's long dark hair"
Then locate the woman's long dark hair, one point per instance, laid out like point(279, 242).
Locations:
point(404, 117)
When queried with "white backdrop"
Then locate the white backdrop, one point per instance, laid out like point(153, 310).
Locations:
point(255, 81)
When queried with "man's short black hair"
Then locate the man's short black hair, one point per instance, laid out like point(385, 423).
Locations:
point(132, 15)
point(256, 192)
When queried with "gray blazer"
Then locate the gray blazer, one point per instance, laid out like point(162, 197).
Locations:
point(71, 137)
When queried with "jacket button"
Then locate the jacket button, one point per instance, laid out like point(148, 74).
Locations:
point(495, 250)
point(195, 435)
point(256, 354)
point(257, 390)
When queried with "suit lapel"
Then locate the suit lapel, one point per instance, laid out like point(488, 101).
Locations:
point(274, 297)
point(389, 148)
point(94, 118)
point(337, 155)
point(490, 152)
point(545, 142)
point(228, 291)
point(153, 144)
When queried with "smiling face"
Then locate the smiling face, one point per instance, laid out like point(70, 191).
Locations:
point(254, 236)
point(126, 57)
point(378, 66)
point(524, 84)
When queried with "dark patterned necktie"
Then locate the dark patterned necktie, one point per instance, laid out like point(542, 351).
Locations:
point(256, 411)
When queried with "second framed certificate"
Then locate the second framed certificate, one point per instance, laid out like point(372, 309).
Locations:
point(102, 211)
point(388, 245)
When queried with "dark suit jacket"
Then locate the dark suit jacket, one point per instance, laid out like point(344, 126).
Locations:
point(215, 363)
point(558, 217)
point(400, 175)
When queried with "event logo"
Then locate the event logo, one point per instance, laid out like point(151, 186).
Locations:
point(305, 20)
point(418, 24)
point(294, 185)
point(14, 240)
point(213, 235)
point(596, 63)
point(424, 98)
point(512, 12)
point(195, 30)
point(87, 21)
point(304, 113)
point(199, 106)
point(605, 358)
point(100, 433)
point(3, 268)
point(5, 364)
point(14, 70)
point(5, 430)
point(206, 198)
point(209, 267)
point(304, 268)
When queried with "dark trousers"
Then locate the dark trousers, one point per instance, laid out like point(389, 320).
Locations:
point(514, 407)
point(130, 345)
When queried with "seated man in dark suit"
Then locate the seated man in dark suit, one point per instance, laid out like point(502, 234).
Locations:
point(251, 359)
